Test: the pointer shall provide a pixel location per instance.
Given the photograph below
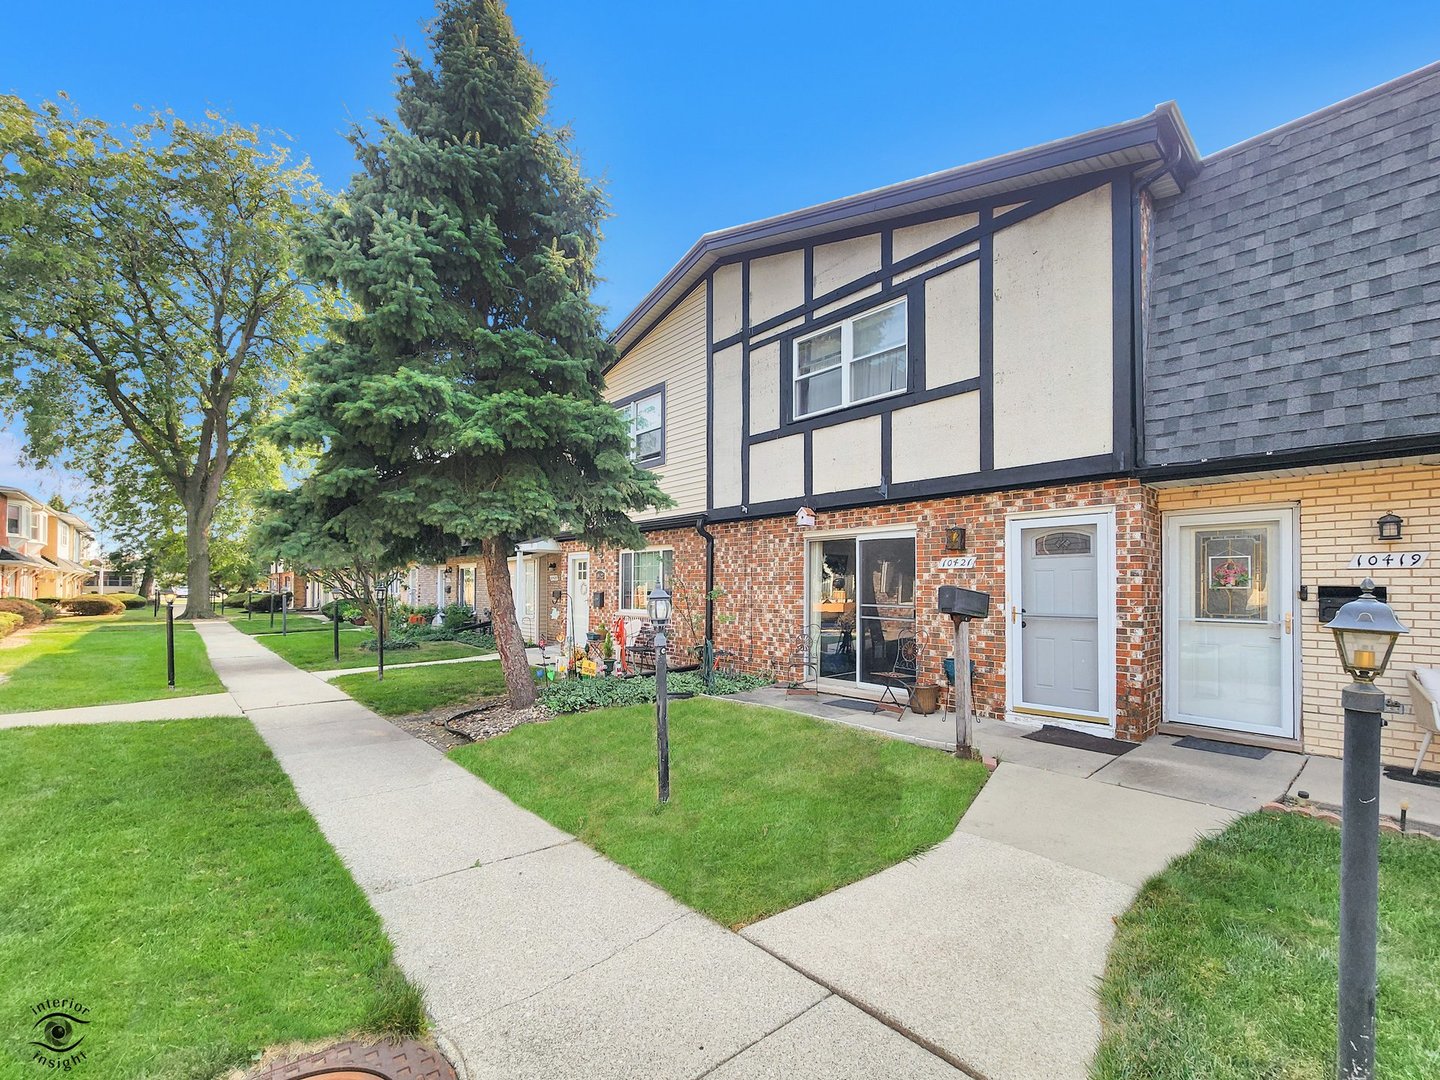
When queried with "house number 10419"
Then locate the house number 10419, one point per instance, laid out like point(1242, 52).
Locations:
point(1389, 560)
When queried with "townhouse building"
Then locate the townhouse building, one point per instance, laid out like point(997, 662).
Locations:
point(46, 552)
point(1155, 404)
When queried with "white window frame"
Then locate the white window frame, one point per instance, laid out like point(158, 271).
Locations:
point(38, 531)
point(847, 359)
point(630, 410)
point(624, 596)
point(22, 520)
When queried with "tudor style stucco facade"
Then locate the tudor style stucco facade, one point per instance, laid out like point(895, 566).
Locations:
point(1163, 412)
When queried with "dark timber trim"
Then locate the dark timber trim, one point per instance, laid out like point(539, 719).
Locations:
point(1122, 415)
point(987, 344)
point(745, 382)
point(1074, 470)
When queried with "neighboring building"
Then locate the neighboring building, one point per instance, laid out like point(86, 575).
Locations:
point(1065, 352)
point(20, 562)
point(43, 549)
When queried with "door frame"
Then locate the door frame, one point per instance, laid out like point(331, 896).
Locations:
point(1289, 516)
point(1016, 709)
point(575, 558)
point(853, 686)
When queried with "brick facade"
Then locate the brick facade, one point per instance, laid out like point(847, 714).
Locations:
point(760, 569)
point(1338, 511)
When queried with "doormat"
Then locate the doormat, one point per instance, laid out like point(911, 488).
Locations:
point(851, 703)
point(1405, 776)
point(1080, 740)
point(1214, 746)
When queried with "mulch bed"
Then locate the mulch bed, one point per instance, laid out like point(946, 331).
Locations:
point(450, 727)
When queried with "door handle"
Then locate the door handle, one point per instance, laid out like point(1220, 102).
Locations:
point(1014, 613)
point(1289, 622)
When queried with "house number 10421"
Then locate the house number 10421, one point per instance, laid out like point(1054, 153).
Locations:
point(1389, 560)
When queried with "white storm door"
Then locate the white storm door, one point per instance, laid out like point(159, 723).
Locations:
point(577, 616)
point(1230, 640)
point(1061, 632)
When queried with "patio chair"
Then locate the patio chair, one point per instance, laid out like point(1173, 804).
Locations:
point(903, 673)
point(1425, 689)
point(804, 659)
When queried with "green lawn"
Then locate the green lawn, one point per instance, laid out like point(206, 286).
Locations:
point(314, 652)
point(100, 661)
point(767, 810)
point(259, 623)
point(413, 690)
point(166, 876)
point(1225, 967)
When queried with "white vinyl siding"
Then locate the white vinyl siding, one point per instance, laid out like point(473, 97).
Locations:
point(673, 354)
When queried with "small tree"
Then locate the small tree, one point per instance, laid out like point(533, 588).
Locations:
point(461, 401)
point(150, 305)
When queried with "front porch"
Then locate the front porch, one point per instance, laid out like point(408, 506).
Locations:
point(1236, 777)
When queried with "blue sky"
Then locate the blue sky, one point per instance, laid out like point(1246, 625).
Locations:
point(700, 116)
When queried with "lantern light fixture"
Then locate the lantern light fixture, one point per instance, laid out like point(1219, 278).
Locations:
point(1391, 526)
point(1365, 632)
point(658, 603)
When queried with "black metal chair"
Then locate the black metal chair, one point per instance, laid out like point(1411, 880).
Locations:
point(804, 658)
point(904, 671)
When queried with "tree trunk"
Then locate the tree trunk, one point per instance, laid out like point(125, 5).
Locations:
point(197, 562)
point(147, 579)
point(519, 683)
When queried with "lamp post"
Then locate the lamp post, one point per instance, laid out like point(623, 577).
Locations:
point(658, 603)
point(169, 637)
point(384, 598)
point(335, 624)
point(1365, 633)
point(284, 612)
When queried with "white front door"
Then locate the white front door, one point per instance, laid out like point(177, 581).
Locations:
point(577, 615)
point(1060, 638)
point(1230, 641)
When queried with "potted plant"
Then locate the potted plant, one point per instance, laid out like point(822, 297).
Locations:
point(607, 652)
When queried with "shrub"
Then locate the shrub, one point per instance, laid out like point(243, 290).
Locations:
point(482, 641)
point(427, 610)
point(457, 615)
point(264, 601)
point(31, 613)
point(47, 611)
point(580, 695)
point(10, 622)
point(391, 644)
point(92, 605)
point(348, 610)
point(425, 632)
point(129, 599)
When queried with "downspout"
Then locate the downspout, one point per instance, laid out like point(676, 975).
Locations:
point(708, 652)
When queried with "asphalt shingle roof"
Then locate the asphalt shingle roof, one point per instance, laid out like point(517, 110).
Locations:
point(1295, 286)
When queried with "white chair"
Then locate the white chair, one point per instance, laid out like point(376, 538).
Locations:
point(1425, 691)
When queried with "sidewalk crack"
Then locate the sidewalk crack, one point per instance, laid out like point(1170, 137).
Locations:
point(783, 1024)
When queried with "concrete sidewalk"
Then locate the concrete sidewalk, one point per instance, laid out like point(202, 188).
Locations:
point(538, 957)
point(991, 944)
point(185, 708)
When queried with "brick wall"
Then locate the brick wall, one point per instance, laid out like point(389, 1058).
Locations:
point(760, 568)
point(1338, 511)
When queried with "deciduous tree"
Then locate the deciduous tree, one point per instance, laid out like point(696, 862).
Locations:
point(151, 308)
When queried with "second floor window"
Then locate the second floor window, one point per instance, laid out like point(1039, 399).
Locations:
point(646, 417)
point(17, 520)
point(37, 527)
point(860, 359)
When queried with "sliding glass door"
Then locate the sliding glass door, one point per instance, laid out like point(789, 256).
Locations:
point(861, 593)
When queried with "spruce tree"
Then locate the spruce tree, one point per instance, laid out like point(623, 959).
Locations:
point(460, 399)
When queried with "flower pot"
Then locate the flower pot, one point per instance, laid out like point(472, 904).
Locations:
point(924, 699)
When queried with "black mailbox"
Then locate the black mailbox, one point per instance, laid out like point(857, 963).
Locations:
point(597, 601)
point(966, 603)
point(1334, 597)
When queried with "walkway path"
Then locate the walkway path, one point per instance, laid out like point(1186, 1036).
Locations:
point(184, 708)
point(538, 957)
